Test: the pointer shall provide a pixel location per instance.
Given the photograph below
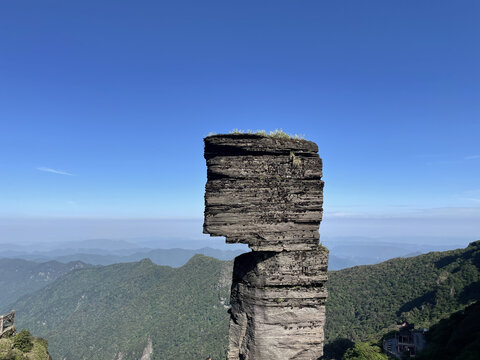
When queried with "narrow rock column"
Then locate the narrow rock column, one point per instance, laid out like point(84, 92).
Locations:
point(267, 192)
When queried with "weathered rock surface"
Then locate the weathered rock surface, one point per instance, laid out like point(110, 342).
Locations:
point(263, 191)
point(267, 192)
point(278, 305)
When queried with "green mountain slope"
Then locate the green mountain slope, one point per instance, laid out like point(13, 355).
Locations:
point(19, 277)
point(455, 338)
point(117, 311)
point(366, 300)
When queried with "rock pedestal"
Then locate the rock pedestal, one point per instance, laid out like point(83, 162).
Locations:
point(267, 192)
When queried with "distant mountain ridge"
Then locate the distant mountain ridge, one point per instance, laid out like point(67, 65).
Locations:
point(174, 257)
point(20, 277)
point(116, 309)
point(169, 257)
point(344, 251)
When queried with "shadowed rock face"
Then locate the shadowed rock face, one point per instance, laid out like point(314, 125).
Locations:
point(267, 192)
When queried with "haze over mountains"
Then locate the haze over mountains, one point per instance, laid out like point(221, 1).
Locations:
point(344, 251)
point(19, 277)
point(43, 263)
point(113, 295)
point(125, 310)
point(174, 257)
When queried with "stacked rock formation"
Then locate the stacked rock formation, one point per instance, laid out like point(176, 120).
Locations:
point(267, 192)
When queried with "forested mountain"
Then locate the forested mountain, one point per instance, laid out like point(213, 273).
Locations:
point(366, 300)
point(455, 338)
point(105, 312)
point(19, 277)
point(126, 310)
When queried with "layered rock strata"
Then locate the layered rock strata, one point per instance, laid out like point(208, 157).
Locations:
point(267, 192)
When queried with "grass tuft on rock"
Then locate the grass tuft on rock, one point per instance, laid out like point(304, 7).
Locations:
point(277, 133)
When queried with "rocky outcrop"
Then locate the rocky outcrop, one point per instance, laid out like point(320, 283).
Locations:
point(267, 192)
point(148, 351)
point(7, 324)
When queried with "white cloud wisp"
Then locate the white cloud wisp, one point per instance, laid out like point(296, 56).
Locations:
point(53, 171)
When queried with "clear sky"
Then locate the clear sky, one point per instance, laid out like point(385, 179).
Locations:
point(104, 104)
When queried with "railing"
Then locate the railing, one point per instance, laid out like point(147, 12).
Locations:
point(7, 322)
point(390, 350)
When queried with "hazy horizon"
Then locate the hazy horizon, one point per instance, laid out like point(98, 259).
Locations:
point(157, 232)
point(103, 118)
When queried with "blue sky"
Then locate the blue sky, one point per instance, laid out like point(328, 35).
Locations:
point(104, 104)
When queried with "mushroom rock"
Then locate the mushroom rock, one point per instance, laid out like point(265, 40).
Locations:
point(267, 192)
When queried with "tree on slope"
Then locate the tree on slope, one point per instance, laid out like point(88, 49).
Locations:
point(364, 351)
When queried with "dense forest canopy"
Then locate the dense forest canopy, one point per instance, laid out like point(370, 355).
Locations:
point(118, 309)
